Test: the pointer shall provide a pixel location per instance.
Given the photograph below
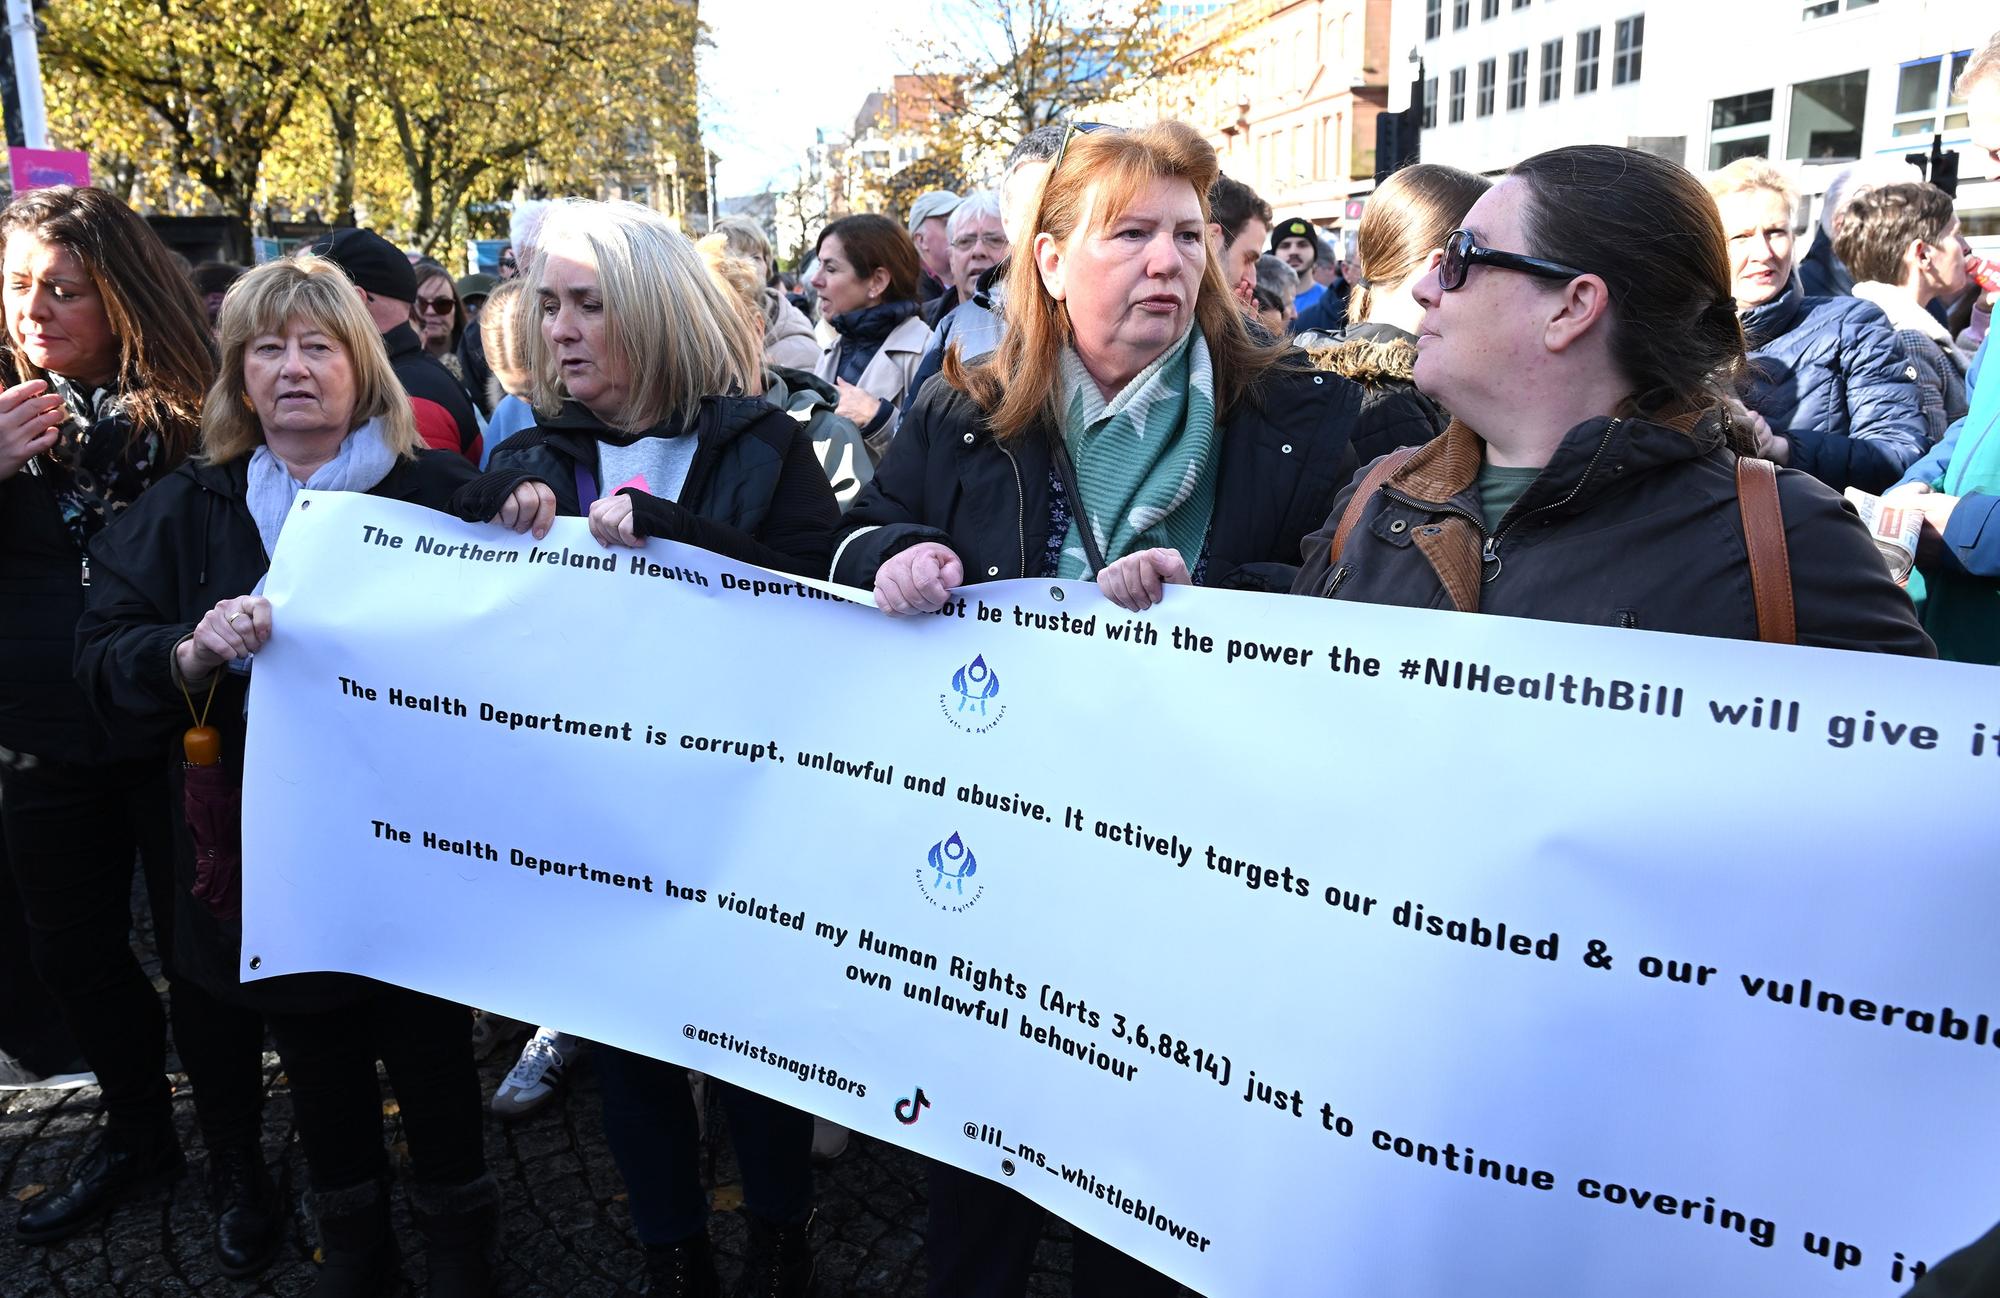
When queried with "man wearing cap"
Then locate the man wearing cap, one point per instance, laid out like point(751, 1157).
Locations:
point(388, 286)
point(473, 290)
point(1296, 243)
point(927, 218)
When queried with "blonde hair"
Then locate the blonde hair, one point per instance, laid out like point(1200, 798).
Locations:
point(738, 279)
point(501, 335)
point(1408, 216)
point(1751, 173)
point(267, 299)
point(677, 338)
point(742, 238)
point(1100, 175)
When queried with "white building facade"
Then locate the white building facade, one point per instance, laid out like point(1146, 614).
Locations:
point(1811, 84)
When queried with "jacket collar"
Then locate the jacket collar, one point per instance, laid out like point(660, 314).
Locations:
point(1774, 319)
point(1902, 310)
point(574, 430)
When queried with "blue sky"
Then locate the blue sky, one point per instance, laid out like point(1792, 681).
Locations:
point(781, 68)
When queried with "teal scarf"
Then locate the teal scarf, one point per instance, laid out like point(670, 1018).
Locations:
point(1145, 459)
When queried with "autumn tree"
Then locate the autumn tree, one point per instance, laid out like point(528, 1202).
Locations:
point(998, 69)
point(211, 85)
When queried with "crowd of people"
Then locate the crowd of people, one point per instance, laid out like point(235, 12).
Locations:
point(1581, 392)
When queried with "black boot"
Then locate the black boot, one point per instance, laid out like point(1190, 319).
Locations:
point(780, 1261)
point(461, 1236)
point(358, 1257)
point(114, 1170)
point(249, 1221)
point(683, 1270)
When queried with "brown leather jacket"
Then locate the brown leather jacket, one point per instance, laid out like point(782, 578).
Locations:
point(1632, 524)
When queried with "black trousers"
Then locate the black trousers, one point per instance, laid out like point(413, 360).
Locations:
point(72, 833)
point(426, 1045)
point(981, 1244)
point(31, 1026)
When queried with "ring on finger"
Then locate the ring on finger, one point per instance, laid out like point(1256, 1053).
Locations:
point(239, 613)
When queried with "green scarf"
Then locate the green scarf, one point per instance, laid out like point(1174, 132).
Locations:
point(1145, 459)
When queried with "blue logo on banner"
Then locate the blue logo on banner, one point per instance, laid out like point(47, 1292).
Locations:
point(954, 864)
point(975, 683)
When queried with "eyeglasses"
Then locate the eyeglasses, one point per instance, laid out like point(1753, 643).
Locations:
point(1071, 129)
point(966, 242)
point(437, 305)
point(1462, 252)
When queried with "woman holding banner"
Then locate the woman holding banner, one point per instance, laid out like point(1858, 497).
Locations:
point(305, 399)
point(1581, 328)
point(636, 350)
point(1129, 431)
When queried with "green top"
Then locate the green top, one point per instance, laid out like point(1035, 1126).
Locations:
point(1499, 489)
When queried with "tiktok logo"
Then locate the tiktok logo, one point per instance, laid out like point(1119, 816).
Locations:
point(910, 1109)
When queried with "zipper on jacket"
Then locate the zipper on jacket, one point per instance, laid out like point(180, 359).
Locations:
point(1333, 586)
point(1020, 505)
point(1489, 561)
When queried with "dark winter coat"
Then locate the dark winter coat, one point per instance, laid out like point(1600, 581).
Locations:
point(44, 576)
point(1284, 453)
point(1382, 359)
point(424, 377)
point(755, 491)
point(1631, 524)
point(188, 544)
point(1829, 377)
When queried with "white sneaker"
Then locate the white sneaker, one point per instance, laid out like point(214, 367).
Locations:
point(537, 1075)
point(829, 1140)
point(17, 1076)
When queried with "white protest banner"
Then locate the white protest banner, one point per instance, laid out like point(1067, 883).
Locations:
point(1293, 947)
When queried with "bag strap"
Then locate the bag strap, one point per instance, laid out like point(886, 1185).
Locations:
point(1067, 472)
point(1371, 482)
point(1770, 561)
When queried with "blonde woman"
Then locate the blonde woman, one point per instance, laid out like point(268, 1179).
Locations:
point(305, 399)
point(634, 350)
point(1409, 217)
point(1827, 378)
point(788, 336)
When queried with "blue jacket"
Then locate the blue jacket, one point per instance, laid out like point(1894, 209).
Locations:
point(1959, 598)
point(1830, 377)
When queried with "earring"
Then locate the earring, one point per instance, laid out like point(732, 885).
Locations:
point(248, 404)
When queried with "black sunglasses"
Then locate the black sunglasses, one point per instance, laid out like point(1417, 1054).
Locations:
point(1462, 252)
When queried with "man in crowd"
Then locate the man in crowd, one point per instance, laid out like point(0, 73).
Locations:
point(927, 218)
point(978, 242)
point(388, 286)
point(1238, 223)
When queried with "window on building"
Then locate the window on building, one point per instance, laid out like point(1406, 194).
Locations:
point(1552, 70)
point(1626, 53)
point(1587, 42)
point(1489, 10)
point(1431, 104)
point(1461, 14)
point(1517, 80)
point(1488, 74)
point(1520, 4)
point(1826, 118)
point(1828, 8)
point(1456, 110)
point(1924, 85)
point(1739, 127)
point(1433, 19)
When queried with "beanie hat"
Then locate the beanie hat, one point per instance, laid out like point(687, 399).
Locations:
point(372, 262)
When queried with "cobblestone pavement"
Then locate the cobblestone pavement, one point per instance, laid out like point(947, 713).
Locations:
point(564, 1227)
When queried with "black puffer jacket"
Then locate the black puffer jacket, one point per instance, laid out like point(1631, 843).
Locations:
point(423, 375)
point(186, 545)
point(754, 491)
point(1631, 524)
point(1284, 453)
point(1382, 359)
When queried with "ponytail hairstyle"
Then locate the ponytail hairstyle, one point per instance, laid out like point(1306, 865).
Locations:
point(1407, 218)
point(1651, 231)
point(166, 355)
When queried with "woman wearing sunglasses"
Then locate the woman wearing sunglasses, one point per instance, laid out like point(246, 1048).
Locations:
point(1129, 431)
point(1581, 329)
